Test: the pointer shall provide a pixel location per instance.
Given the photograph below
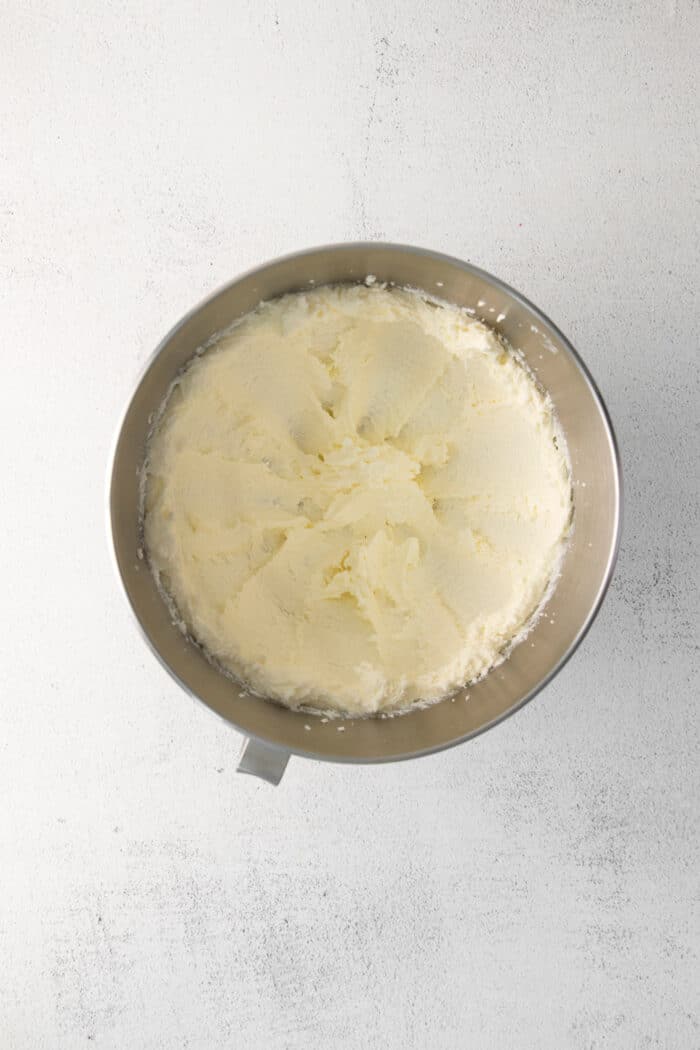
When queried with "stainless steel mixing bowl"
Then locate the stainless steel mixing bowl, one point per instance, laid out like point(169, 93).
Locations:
point(273, 732)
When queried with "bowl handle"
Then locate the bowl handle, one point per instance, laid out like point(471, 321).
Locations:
point(262, 760)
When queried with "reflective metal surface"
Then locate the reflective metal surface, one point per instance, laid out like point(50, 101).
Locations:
point(262, 761)
point(586, 570)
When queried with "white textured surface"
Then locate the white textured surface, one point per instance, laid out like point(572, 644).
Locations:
point(532, 889)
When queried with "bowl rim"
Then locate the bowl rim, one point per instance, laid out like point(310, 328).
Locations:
point(587, 623)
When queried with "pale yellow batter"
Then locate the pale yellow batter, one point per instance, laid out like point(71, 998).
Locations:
point(356, 499)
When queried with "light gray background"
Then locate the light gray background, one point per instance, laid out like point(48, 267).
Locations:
point(532, 889)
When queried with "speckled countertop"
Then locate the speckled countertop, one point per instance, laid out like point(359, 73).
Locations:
point(536, 888)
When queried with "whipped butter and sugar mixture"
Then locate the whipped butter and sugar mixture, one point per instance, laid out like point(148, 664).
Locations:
point(356, 499)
